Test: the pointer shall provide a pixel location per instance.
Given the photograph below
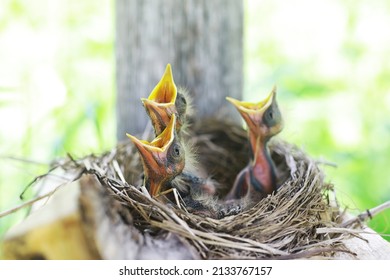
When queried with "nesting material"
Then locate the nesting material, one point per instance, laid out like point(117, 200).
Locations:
point(281, 226)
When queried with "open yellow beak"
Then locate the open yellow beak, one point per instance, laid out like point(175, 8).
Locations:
point(160, 105)
point(253, 112)
point(159, 113)
point(165, 91)
point(154, 153)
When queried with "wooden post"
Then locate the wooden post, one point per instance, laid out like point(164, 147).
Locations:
point(201, 39)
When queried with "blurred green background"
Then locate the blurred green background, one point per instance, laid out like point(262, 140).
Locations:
point(329, 58)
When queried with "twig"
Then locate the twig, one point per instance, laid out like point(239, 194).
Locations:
point(325, 162)
point(35, 180)
point(338, 230)
point(25, 160)
point(12, 210)
point(369, 213)
point(118, 171)
point(310, 253)
point(28, 203)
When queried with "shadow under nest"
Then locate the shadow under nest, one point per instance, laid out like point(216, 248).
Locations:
point(280, 226)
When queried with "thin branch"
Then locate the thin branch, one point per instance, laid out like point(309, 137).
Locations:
point(310, 253)
point(24, 160)
point(28, 203)
point(35, 180)
point(338, 230)
point(118, 171)
point(368, 214)
point(325, 162)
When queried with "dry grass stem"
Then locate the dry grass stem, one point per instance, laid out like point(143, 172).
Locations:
point(301, 220)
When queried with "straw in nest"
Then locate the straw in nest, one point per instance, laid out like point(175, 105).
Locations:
point(281, 226)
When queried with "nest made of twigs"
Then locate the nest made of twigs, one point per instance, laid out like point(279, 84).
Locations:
point(282, 225)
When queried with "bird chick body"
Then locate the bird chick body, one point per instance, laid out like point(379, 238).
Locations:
point(163, 159)
point(164, 102)
point(264, 120)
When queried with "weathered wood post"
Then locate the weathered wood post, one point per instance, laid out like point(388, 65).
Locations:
point(201, 39)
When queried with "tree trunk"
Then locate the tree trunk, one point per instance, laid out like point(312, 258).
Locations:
point(201, 39)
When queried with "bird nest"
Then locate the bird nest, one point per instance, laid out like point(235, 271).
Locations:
point(283, 225)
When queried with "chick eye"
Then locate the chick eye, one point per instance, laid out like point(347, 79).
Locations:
point(176, 151)
point(271, 116)
point(180, 100)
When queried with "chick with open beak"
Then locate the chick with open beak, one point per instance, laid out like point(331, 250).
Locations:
point(163, 158)
point(165, 101)
point(264, 120)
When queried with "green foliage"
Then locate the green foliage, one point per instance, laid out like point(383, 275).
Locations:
point(56, 88)
point(330, 61)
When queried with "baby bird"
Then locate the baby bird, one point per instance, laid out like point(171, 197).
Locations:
point(163, 158)
point(165, 101)
point(264, 120)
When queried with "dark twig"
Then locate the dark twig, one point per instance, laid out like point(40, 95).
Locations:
point(368, 214)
